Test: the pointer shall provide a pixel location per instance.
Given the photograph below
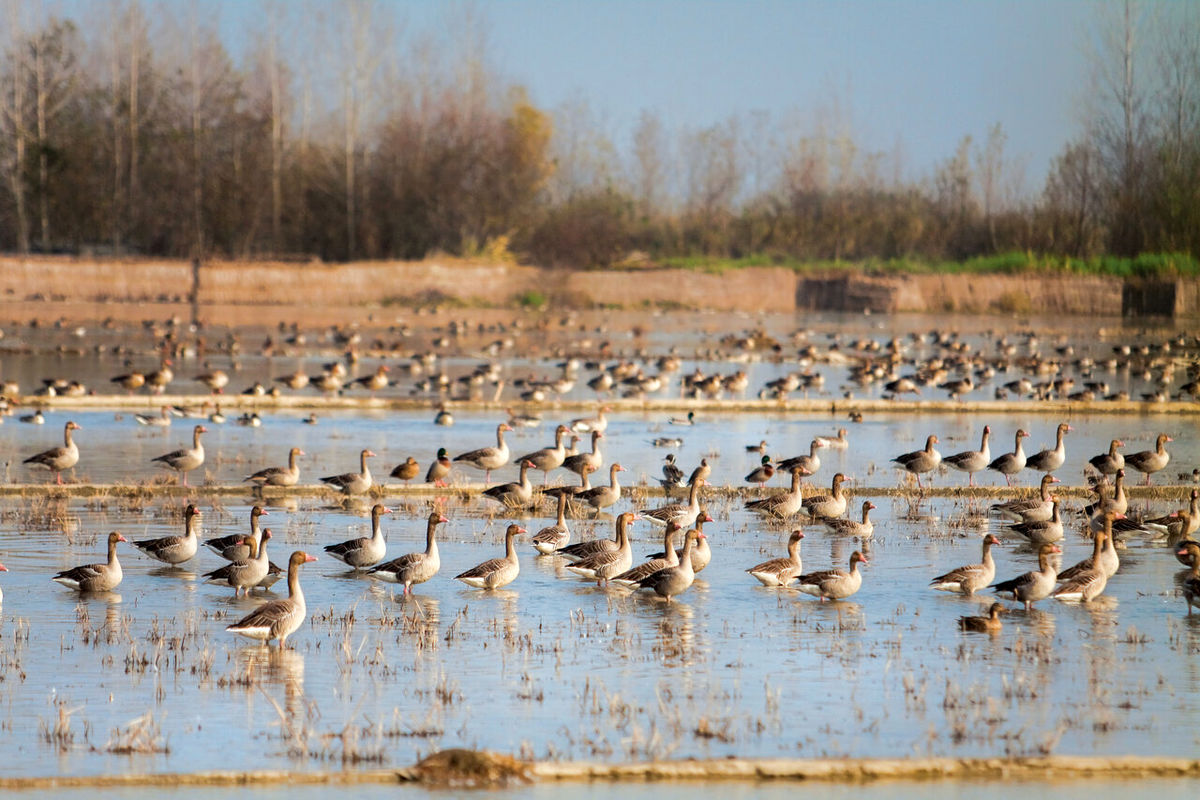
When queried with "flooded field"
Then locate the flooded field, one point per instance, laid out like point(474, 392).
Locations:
point(146, 679)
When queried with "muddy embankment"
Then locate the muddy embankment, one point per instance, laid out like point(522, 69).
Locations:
point(56, 287)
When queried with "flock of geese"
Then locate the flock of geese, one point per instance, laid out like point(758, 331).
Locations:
point(672, 571)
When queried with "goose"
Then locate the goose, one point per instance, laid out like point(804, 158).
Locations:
point(1030, 587)
point(186, 459)
point(439, 469)
point(590, 424)
point(1010, 464)
point(683, 513)
point(1086, 583)
point(1119, 501)
point(489, 458)
point(603, 563)
point(2, 569)
point(175, 550)
point(763, 473)
point(1151, 461)
point(1036, 509)
point(852, 527)
point(604, 496)
point(1042, 532)
point(216, 380)
point(1050, 460)
point(839, 442)
point(130, 381)
point(701, 472)
point(407, 471)
point(782, 505)
point(496, 572)
point(972, 577)
point(781, 571)
point(1108, 463)
point(296, 381)
point(1190, 551)
point(676, 579)
point(160, 420)
point(921, 461)
point(593, 460)
point(989, 624)
point(414, 568)
point(350, 483)
point(1109, 561)
point(972, 461)
point(827, 506)
point(810, 463)
point(278, 619)
point(59, 459)
point(235, 547)
point(159, 378)
point(653, 564)
point(551, 538)
point(244, 573)
point(520, 419)
point(701, 553)
point(834, 584)
point(95, 577)
point(514, 495)
point(278, 476)
point(549, 458)
point(375, 381)
point(364, 551)
point(582, 550)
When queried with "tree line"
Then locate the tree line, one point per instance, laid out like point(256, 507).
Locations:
point(339, 135)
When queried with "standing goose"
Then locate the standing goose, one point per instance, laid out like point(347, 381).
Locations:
point(175, 550)
point(514, 495)
point(549, 458)
point(278, 476)
point(782, 505)
point(809, 463)
point(827, 506)
point(1191, 584)
point(590, 424)
point(1085, 584)
point(1151, 461)
point(593, 460)
point(95, 577)
point(683, 513)
point(350, 483)
point(834, 584)
point(364, 551)
point(701, 553)
point(973, 577)
point(1042, 532)
point(244, 573)
point(1050, 460)
point(762, 473)
point(278, 619)
point(407, 471)
point(1118, 501)
point(59, 459)
point(919, 462)
point(1181, 523)
point(2, 569)
point(781, 571)
point(1108, 463)
point(838, 442)
point(852, 527)
point(972, 461)
point(159, 378)
point(668, 558)
point(439, 469)
point(496, 572)
point(414, 568)
point(186, 459)
point(551, 538)
point(1036, 509)
point(236, 547)
point(1033, 586)
point(673, 580)
point(582, 550)
point(1107, 558)
point(604, 496)
point(1010, 464)
point(989, 624)
point(489, 458)
point(606, 563)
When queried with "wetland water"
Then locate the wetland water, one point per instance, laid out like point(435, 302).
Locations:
point(552, 667)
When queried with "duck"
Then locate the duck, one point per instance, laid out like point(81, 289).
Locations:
point(439, 469)
point(1030, 587)
point(351, 483)
point(59, 459)
point(667, 441)
point(851, 527)
point(489, 458)
point(919, 462)
point(674, 580)
point(244, 573)
point(827, 506)
point(762, 473)
point(1151, 461)
point(278, 619)
point(602, 497)
point(160, 420)
point(278, 476)
point(1050, 460)
point(683, 513)
point(1190, 551)
point(95, 577)
point(781, 571)
point(496, 572)
point(1010, 464)
point(186, 459)
point(761, 447)
point(782, 505)
point(443, 417)
point(549, 458)
point(407, 470)
point(414, 568)
point(972, 577)
point(582, 550)
point(552, 537)
point(591, 424)
point(1086, 583)
point(175, 550)
point(514, 495)
point(701, 553)
point(972, 461)
point(364, 551)
point(834, 584)
point(236, 547)
point(36, 418)
point(592, 461)
point(989, 624)
point(250, 419)
point(1036, 509)
point(690, 419)
point(810, 463)
point(1108, 463)
point(603, 563)
point(839, 442)
point(653, 564)
point(672, 475)
point(1042, 532)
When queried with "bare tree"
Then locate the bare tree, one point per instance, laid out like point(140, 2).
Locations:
point(15, 119)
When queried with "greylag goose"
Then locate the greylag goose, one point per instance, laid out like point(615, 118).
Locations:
point(809, 463)
point(375, 381)
point(782, 505)
point(1151, 461)
point(414, 568)
point(852, 527)
point(672, 475)
point(1181, 523)
point(1050, 460)
point(604, 496)
point(919, 462)
point(1010, 464)
point(592, 461)
point(2, 569)
point(827, 506)
point(216, 380)
point(279, 476)
point(1036, 509)
point(1118, 501)
point(407, 471)
point(834, 584)
point(972, 461)
point(175, 550)
point(489, 458)
point(59, 459)
point(244, 573)
point(186, 459)
point(364, 551)
point(160, 420)
point(235, 547)
point(673, 580)
point(549, 458)
point(552, 537)
point(839, 442)
point(972, 577)
point(701, 553)
point(762, 473)
point(683, 513)
point(1190, 551)
point(130, 381)
point(1030, 587)
point(159, 378)
point(439, 469)
point(95, 577)
point(1086, 583)
point(278, 619)
point(781, 571)
point(989, 624)
point(669, 558)
point(700, 473)
point(590, 424)
point(1109, 561)
point(603, 563)
point(350, 483)
point(514, 495)
point(496, 572)
point(519, 419)
point(581, 550)
point(1108, 463)
point(1043, 531)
